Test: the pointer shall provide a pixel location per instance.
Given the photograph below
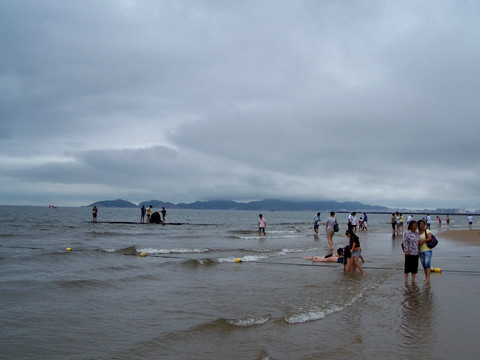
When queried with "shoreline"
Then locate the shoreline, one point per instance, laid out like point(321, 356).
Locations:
point(470, 237)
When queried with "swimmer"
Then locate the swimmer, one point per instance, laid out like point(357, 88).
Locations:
point(336, 258)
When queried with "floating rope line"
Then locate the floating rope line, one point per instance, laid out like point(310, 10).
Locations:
point(23, 247)
point(329, 265)
point(468, 272)
point(471, 272)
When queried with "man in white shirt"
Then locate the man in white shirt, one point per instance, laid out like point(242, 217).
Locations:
point(409, 218)
point(470, 221)
point(352, 222)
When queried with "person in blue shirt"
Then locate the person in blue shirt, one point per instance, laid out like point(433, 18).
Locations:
point(316, 223)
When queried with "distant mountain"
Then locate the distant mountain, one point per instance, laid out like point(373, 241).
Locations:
point(262, 205)
point(119, 203)
point(157, 204)
point(269, 205)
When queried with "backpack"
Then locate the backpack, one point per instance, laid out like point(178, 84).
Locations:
point(432, 243)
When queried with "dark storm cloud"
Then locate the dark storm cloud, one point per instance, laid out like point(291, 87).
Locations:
point(369, 101)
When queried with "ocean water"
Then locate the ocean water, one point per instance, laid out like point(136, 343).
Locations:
point(190, 299)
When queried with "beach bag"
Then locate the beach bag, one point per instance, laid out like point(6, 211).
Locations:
point(335, 227)
point(432, 243)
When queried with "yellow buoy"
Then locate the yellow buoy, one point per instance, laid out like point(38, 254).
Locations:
point(237, 260)
point(437, 270)
point(68, 249)
point(142, 254)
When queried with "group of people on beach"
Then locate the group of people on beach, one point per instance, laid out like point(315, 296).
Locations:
point(352, 222)
point(143, 211)
point(414, 243)
point(155, 217)
point(397, 223)
point(350, 255)
point(415, 247)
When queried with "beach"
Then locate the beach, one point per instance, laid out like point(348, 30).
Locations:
point(212, 288)
point(470, 237)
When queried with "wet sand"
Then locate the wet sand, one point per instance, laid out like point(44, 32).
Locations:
point(470, 237)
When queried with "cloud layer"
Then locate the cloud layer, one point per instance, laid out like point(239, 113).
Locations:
point(182, 101)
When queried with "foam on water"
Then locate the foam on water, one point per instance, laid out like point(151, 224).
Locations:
point(172, 251)
point(250, 321)
point(246, 258)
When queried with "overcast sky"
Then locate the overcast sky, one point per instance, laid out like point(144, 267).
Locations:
point(371, 101)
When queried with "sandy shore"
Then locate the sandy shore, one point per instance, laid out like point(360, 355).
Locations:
point(471, 237)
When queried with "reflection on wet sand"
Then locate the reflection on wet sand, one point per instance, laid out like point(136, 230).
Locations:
point(418, 308)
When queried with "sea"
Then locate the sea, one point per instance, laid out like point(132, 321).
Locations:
point(210, 288)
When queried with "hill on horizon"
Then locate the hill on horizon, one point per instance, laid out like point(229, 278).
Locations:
point(120, 203)
point(261, 205)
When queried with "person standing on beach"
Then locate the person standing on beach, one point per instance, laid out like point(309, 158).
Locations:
point(401, 224)
point(470, 222)
point(148, 211)
point(316, 223)
point(365, 221)
point(352, 222)
point(356, 252)
point(439, 221)
point(448, 220)
point(393, 222)
point(164, 213)
point(425, 252)
point(94, 213)
point(428, 221)
point(397, 222)
point(262, 224)
point(410, 247)
point(142, 214)
point(409, 218)
point(330, 229)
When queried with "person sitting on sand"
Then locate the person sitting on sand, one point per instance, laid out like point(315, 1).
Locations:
point(336, 258)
